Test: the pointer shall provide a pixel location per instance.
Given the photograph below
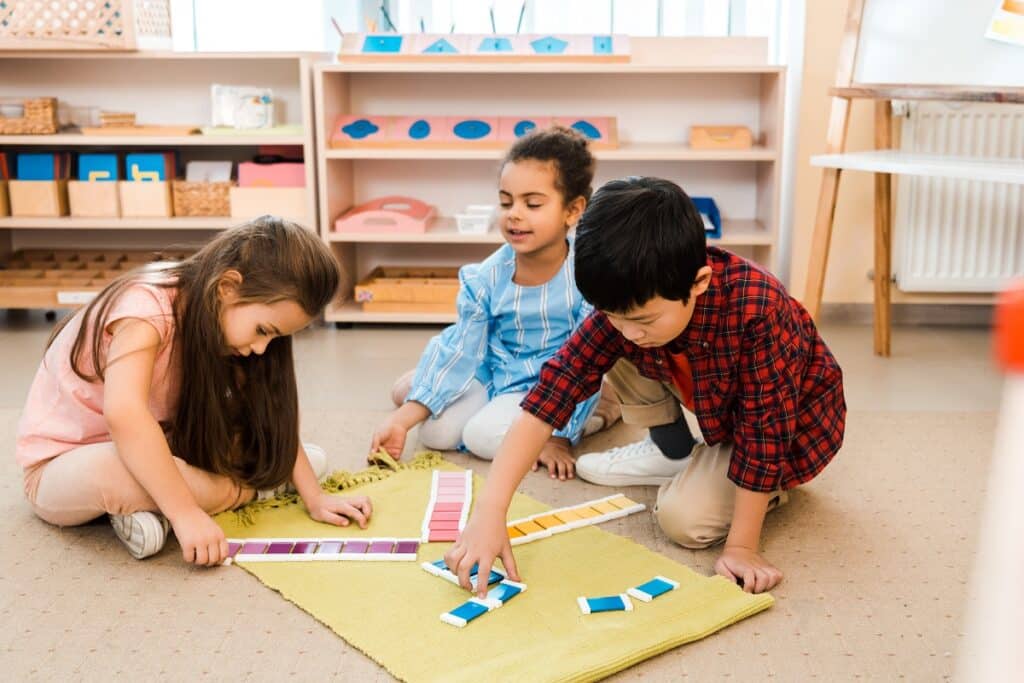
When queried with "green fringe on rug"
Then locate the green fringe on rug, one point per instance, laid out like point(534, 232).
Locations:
point(383, 467)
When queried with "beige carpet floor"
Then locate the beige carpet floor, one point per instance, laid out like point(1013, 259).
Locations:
point(876, 552)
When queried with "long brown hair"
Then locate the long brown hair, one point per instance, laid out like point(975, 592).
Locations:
point(236, 416)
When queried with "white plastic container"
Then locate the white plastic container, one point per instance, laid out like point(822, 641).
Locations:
point(476, 220)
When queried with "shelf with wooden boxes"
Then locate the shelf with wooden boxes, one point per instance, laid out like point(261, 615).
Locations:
point(159, 87)
point(45, 278)
point(670, 85)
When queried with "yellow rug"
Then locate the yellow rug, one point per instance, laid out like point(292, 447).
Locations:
point(390, 610)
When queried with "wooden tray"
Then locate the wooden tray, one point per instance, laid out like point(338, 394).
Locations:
point(40, 278)
point(148, 131)
point(409, 290)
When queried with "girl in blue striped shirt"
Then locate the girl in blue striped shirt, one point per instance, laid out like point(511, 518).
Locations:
point(514, 312)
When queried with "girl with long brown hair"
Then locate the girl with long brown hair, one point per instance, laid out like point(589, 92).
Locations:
point(171, 396)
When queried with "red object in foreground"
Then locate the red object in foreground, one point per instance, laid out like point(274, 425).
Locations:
point(1009, 328)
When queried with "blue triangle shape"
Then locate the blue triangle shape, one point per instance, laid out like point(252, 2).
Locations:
point(441, 46)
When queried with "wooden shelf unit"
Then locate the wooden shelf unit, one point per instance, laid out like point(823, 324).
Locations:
point(443, 231)
point(124, 223)
point(627, 152)
point(655, 99)
point(164, 88)
point(79, 140)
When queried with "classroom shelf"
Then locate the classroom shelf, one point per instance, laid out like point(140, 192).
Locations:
point(670, 85)
point(75, 223)
point(166, 88)
point(550, 68)
point(929, 165)
point(79, 140)
point(690, 55)
point(443, 231)
point(628, 152)
point(350, 312)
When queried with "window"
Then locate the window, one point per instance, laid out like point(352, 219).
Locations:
point(305, 25)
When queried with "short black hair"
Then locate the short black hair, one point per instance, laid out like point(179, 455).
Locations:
point(568, 149)
point(638, 238)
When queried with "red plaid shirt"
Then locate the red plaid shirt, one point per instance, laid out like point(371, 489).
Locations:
point(763, 378)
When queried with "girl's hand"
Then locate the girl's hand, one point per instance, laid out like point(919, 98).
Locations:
point(484, 540)
point(391, 437)
point(557, 457)
point(202, 540)
point(338, 511)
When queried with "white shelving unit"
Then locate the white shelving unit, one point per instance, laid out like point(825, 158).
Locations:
point(898, 162)
point(162, 88)
point(669, 85)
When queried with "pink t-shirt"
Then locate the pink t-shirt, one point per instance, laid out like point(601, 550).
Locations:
point(64, 411)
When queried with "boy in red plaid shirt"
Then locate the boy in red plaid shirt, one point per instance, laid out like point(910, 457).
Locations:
point(677, 324)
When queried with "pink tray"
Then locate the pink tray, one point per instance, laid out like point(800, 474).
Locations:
point(387, 215)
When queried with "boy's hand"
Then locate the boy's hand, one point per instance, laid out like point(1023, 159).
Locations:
point(557, 457)
point(483, 540)
point(338, 511)
point(746, 567)
point(391, 437)
point(202, 540)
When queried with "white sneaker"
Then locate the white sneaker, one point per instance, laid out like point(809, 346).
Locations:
point(143, 533)
point(317, 460)
point(637, 464)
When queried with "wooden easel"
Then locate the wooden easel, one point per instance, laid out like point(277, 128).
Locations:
point(844, 91)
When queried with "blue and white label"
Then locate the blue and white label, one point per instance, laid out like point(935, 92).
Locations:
point(659, 585)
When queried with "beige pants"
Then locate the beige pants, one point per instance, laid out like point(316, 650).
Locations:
point(695, 508)
point(91, 481)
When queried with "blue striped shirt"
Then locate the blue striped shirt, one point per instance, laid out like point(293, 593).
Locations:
point(504, 334)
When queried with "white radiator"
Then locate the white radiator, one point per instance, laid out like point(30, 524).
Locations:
point(959, 235)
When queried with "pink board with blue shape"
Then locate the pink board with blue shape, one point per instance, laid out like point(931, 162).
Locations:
point(361, 130)
point(510, 128)
point(484, 132)
point(414, 129)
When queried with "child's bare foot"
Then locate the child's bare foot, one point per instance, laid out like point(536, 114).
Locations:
point(401, 388)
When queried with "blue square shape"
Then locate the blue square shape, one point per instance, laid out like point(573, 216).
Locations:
point(102, 166)
point(389, 44)
point(138, 166)
point(36, 167)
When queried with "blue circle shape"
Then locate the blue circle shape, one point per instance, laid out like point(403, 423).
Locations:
point(588, 129)
point(523, 127)
point(419, 130)
point(472, 129)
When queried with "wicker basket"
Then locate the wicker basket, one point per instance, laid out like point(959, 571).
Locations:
point(40, 118)
point(80, 25)
point(202, 198)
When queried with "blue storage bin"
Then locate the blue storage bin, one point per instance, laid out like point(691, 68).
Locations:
point(37, 167)
point(97, 167)
point(707, 207)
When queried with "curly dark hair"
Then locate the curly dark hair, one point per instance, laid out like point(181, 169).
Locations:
point(574, 164)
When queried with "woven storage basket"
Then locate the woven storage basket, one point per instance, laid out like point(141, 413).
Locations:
point(85, 25)
point(40, 118)
point(202, 198)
